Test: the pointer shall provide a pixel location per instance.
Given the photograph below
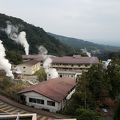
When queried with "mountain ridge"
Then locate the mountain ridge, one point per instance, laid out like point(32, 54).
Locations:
point(81, 44)
point(36, 36)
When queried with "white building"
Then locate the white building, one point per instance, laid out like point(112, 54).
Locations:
point(29, 67)
point(50, 95)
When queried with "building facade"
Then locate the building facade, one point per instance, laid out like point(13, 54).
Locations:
point(45, 96)
point(68, 66)
point(29, 67)
point(71, 74)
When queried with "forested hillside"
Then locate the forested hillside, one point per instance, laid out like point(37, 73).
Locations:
point(80, 44)
point(36, 36)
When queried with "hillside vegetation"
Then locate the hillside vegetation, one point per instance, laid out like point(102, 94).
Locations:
point(36, 36)
point(81, 44)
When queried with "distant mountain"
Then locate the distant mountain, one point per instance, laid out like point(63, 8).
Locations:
point(81, 44)
point(36, 36)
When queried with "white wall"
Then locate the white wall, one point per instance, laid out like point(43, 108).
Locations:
point(25, 69)
point(29, 70)
point(58, 106)
point(69, 74)
point(66, 74)
point(55, 108)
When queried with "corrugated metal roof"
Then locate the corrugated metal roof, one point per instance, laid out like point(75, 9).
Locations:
point(73, 60)
point(66, 59)
point(56, 89)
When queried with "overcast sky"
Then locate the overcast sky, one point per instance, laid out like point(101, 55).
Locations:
point(93, 20)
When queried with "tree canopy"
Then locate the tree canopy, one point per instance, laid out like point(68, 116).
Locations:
point(94, 87)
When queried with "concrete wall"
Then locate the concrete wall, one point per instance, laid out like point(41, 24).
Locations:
point(70, 74)
point(29, 69)
point(55, 108)
point(66, 74)
point(71, 70)
point(58, 106)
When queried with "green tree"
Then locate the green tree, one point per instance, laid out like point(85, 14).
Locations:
point(91, 87)
point(99, 84)
point(41, 74)
point(116, 115)
point(5, 83)
point(82, 89)
point(14, 57)
point(87, 114)
point(113, 73)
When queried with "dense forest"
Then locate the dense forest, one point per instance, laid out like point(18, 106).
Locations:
point(36, 36)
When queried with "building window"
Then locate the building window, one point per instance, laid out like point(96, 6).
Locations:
point(50, 103)
point(40, 101)
point(61, 76)
point(86, 65)
point(33, 100)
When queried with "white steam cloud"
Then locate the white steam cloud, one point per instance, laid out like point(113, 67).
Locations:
point(4, 63)
point(106, 63)
point(51, 72)
point(23, 41)
point(43, 51)
point(86, 52)
point(12, 32)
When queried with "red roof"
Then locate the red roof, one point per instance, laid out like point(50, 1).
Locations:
point(66, 59)
point(75, 60)
point(56, 89)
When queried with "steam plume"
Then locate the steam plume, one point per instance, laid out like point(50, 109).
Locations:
point(47, 64)
point(23, 41)
point(43, 51)
point(12, 32)
point(4, 63)
point(86, 52)
point(106, 63)
point(51, 72)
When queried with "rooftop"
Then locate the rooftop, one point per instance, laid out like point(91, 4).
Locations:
point(30, 63)
point(19, 117)
point(56, 89)
point(75, 59)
